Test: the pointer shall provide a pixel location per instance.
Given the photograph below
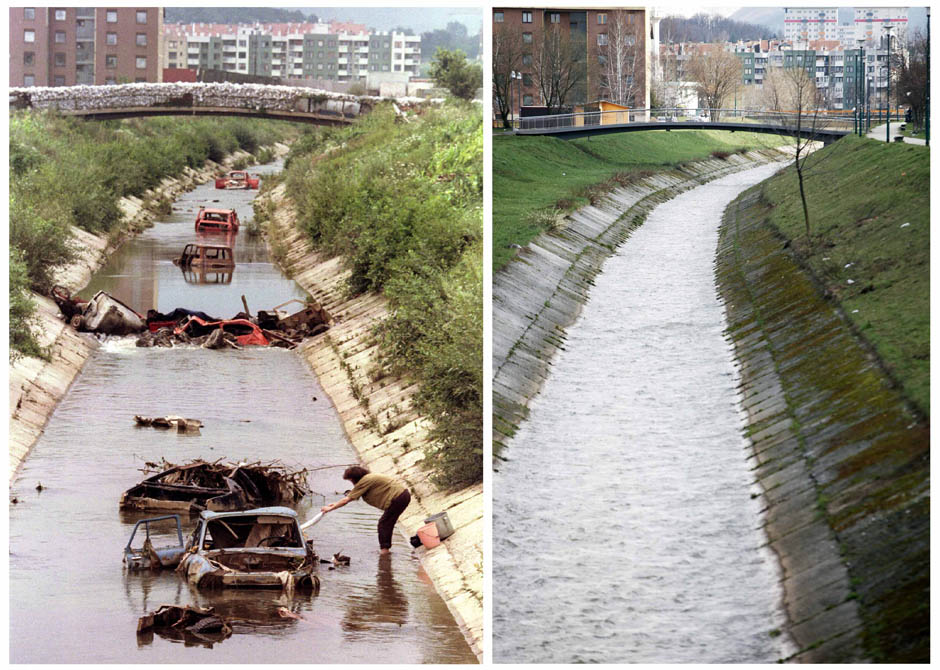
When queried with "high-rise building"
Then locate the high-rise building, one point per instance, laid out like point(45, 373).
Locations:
point(870, 23)
point(802, 24)
point(84, 45)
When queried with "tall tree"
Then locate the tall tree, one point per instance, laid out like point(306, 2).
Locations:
point(558, 65)
point(716, 74)
point(911, 66)
point(507, 58)
point(620, 61)
point(451, 70)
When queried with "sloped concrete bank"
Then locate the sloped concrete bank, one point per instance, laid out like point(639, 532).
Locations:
point(842, 460)
point(36, 385)
point(540, 292)
point(377, 415)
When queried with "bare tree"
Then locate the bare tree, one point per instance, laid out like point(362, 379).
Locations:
point(911, 66)
point(716, 74)
point(558, 66)
point(507, 58)
point(792, 94)
point(620, 61)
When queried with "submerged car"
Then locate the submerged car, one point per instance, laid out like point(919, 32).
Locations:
point(147, 556)
point(243, 330)
point(237, 179)
point(216, 221)
point(107, 315)
point(206, 256)
point(257, 548)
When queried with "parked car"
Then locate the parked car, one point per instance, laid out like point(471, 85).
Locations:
point(237, 179)
point(257, 548)
point(206, 256)
point(216, 221)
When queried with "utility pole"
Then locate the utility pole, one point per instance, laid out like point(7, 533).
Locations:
point(860, 86)
point(887, 30)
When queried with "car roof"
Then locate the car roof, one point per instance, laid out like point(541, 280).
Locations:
point(207, 210)
point(270, 511)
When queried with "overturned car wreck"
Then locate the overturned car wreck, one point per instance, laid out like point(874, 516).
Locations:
point(103, 314)
point(258, 548)
point(197, 486)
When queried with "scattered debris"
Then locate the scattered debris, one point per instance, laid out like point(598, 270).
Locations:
point(181, 424)
point(218, 486)
point(285, 613)
point(339, 559)
point(39, 486)
point(258, 548)
point(14, 500)
point(905, 225)
point(186, 623)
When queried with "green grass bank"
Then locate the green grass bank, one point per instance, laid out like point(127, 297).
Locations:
point(67, 172)
point(536, 178)
point(869, 247)
point(400, 200)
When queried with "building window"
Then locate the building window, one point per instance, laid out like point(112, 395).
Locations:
point(59, 80)
point(29, 80)
point(527, 100)
point(29, 13)
point(141, 39)
point(141, 63)
point(527, 38)
point(110, 39)
point(59, 59)
point(60, 37)
point(527, 17)
point(111, 16)
point(526, 79)
point(110, 61)
point(602, 39)
point(142, 16)
point(28, 58)
point(527, 59)
point(60, 15)
point(554, 17)
point(29, 36)
point(497, 17)
point(601, 19)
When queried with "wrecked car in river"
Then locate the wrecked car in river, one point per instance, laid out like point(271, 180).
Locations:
point(216, 221)
point(103, 314)
point(237, 179)
point(258, 548)
point(206, 257)
point(198, 485)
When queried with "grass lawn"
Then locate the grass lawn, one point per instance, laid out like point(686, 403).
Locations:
point(536, 174)
point(869, 206)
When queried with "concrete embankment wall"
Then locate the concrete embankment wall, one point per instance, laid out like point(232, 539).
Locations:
point(540, 292)
point(842, 460)
point(36, 385)
point(377, 416)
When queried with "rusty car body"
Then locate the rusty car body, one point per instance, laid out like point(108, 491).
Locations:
point(206, 257)
point(216, 221)
point(311, 319)
point(107, 315)
point(237, 179)
point(196, 486)
point(150, 557)
point(257, 548)
point(243, 330)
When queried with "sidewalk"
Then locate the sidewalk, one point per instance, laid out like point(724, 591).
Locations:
point(879, 133)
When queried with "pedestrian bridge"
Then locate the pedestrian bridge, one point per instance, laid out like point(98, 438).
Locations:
point(825, 127)
point(290, 103)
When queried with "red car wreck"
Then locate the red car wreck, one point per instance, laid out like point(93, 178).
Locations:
point(216, 221)
point(237, 179)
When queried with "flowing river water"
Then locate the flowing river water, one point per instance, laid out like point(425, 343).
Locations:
point(625, 523)
point(70, 598)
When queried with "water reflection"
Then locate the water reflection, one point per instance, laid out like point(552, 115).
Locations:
point(384, 604)
point(203, 276)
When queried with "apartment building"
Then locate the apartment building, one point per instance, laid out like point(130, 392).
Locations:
point(802, 24)
point(870, 24)
point(66, 46)
point(588, 27)
point(334, 52)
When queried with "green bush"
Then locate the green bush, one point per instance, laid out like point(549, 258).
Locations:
point(22, 308)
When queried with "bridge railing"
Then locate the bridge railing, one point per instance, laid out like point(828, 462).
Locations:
point(820, 120)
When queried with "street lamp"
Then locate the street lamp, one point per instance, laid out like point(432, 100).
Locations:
point(871, 82)
point(860, 83)
point(515, 75)
point(927, 111)
point(888, 30)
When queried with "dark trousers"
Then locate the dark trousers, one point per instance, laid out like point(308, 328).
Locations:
point(387, 522)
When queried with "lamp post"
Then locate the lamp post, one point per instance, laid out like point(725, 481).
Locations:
point(927, 110)
point(860, 84)
point(868, 104)
point(888, 30)
point(515, 75)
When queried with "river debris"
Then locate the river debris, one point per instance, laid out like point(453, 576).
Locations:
point(339, 559)
point(103, 314)
point(219, 486)
point(187, 623)
point(182, 424)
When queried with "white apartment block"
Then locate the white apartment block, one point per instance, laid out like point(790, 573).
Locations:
point(802, 24)
point(870, 23)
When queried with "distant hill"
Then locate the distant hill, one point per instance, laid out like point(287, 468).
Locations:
point(235, 15)
point(712, 28)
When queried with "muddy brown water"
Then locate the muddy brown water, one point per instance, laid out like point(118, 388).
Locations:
point(70, 598)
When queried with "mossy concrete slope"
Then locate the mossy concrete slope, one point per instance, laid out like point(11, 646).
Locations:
point(540, 292)
point(376, 412)
point(37, 385)
point(842, 460)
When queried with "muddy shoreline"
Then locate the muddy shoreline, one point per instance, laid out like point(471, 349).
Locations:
point(36, 386)
point(376, 415)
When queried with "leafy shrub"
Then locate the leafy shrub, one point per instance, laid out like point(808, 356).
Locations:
point(22, 308)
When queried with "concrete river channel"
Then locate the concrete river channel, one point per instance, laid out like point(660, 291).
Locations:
point(626, 524)
point(71, 599)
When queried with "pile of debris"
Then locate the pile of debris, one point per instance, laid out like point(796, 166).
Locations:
point(182, 424)
point(189, 624)
point(217, 486)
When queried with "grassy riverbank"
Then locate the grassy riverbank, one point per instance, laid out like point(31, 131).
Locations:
point(401, 201)
point(537, 178)
point(68, 172)
point(869, 205)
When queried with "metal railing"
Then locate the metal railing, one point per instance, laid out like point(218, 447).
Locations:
point(822, 119)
